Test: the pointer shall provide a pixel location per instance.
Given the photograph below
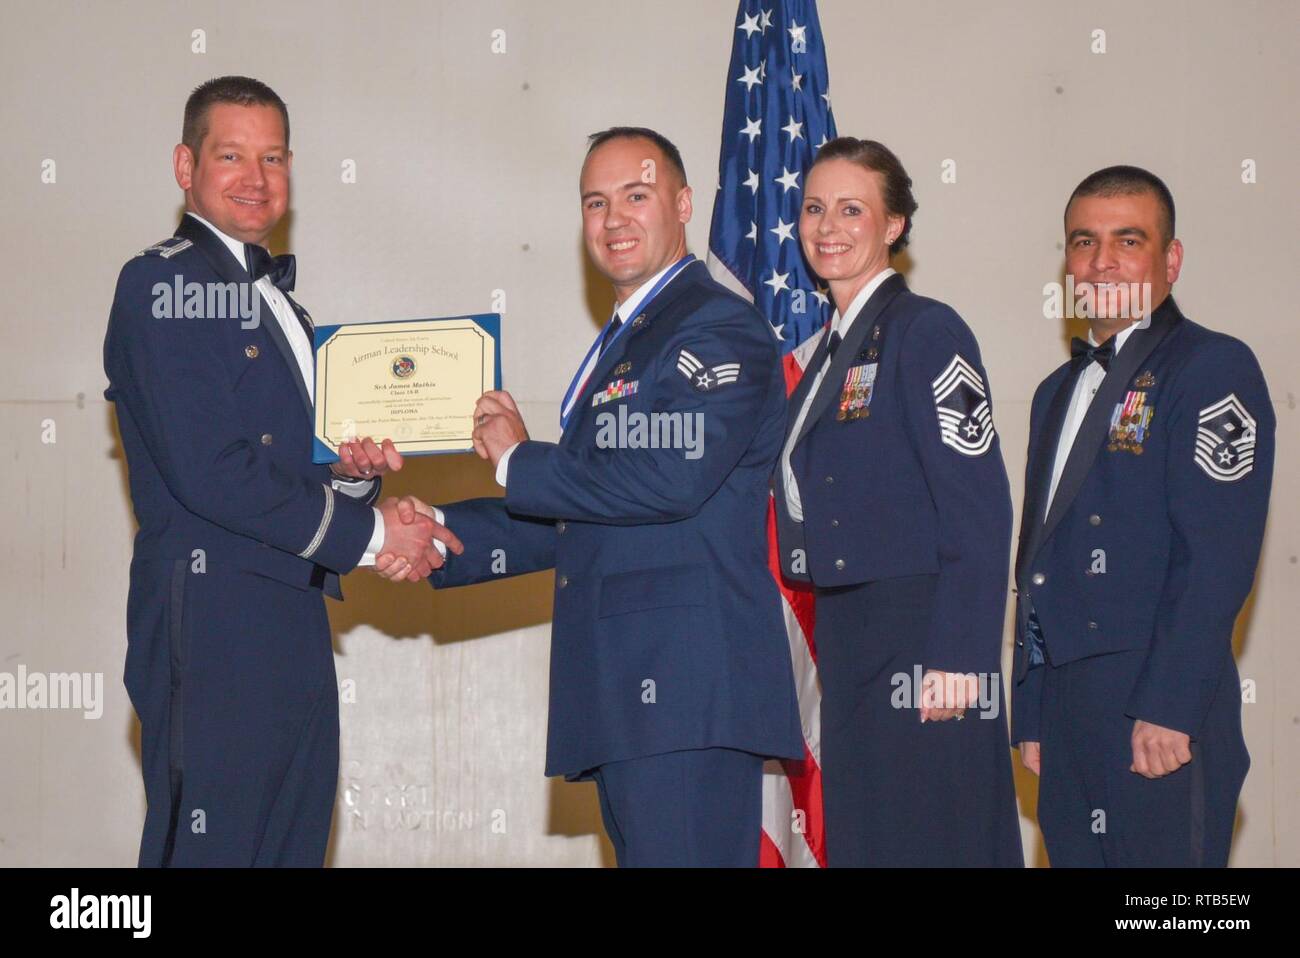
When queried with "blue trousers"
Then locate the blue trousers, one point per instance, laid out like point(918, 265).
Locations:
point(232, 676)
point(694, 808)
point(1094, 812)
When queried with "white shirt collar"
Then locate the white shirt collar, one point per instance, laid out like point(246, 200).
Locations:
point(855, 307)
point(1122, 336)
point(234, 245)
point(627, 309)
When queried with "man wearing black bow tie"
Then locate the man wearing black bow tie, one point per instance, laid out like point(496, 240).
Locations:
point(1146, 491)
point(229, 662)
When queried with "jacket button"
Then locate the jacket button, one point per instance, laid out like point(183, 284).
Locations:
point(1092, 625)
point(839, 564)
point(830, 479)
point(562, 581)
point(1094, 520)
point(1038, 578)
point(560, 527)
point(250, 352)
point(266, 439)
point(835, 523)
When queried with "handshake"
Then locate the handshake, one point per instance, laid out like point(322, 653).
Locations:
point(410, 529)
point(410, 526)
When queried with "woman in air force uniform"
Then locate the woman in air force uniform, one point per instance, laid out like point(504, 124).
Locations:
point(892, 500)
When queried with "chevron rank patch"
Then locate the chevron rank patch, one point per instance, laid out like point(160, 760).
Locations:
point(706, 378)
point(965, 421)
point(1225, 440)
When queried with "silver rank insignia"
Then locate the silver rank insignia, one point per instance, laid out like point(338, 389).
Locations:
point(1225, 440)
point(622, 369)
point(965, 421)
point(705, 378)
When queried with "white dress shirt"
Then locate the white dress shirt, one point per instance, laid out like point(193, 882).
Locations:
point(294, 334)
point(1085, 388)
point(841, 325)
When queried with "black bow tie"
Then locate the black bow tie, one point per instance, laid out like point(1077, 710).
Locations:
point(1082, 352)
point(282, 269)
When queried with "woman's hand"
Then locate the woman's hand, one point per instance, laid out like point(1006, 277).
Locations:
point(946, 695)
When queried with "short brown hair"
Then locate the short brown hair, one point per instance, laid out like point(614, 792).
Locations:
point(878, 158)
point(1130, 181)
point(241, 91)
point(666, 146)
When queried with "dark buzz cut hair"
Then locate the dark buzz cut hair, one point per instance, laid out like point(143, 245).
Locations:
point(878, 158)
point(666, 147)
point(1130, 181)
point(241, 91)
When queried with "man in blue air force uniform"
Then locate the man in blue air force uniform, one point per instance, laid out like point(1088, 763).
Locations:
point(1146, 491)
point(670, 677)
point(229, 663)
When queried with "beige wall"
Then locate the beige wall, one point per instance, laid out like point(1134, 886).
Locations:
point(466, 173)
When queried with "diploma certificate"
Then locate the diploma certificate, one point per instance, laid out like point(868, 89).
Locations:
point(412, 381)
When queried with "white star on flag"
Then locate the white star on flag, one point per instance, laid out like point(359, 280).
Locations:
point(782, 231)
point(750, 78)
point(753, 128)
point(750, 26)
point(794, 129)
point(777, 282)
point(788, 180)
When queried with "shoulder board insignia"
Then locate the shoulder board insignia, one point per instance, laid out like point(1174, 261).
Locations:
point(167, 248)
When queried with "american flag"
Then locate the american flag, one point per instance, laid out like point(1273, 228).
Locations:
point(777, 114)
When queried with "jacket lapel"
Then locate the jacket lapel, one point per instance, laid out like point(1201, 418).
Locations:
point(846, 354)
point(1040, 470)
point(806, 379)
point(1096, 424)
point(232, 270)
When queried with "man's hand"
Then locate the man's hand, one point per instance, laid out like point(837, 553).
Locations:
point(1031, 756)
point(410, 542)
point(497, 425)
point(362, 459)
point(946, 695)
point(411, 512)
point(1158, 750)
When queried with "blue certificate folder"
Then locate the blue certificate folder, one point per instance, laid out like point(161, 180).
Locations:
point(390, 365)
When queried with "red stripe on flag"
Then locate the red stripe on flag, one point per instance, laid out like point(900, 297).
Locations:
point(769, 856)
